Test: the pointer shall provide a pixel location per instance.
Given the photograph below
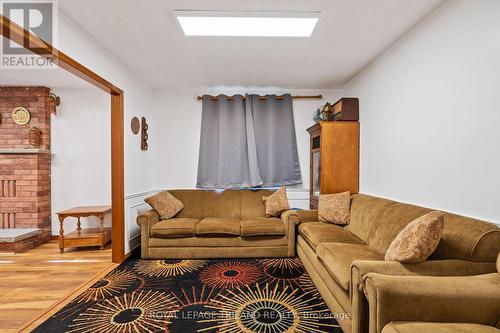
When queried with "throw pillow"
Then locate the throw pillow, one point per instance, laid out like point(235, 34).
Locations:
point(416, 242)
point(165, 204)
point(335, 208)
point(276, 203)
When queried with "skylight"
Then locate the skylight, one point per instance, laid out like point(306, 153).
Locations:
point(247, 24)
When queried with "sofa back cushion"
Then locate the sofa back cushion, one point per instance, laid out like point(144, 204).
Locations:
point(227, 203)
point(365, 214)
point(208, 203)
point(192, 201)
point(252, 204)
point(463, 237)
point(222, 204)
point(391, 222)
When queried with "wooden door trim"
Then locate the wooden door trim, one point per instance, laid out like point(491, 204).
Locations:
point(17, 34)
point(117, 179)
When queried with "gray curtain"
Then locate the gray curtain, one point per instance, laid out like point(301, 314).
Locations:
point(247, 143)
point(275, 139)
point(225, 160)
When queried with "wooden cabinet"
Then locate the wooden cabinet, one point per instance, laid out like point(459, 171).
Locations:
point(334, 158)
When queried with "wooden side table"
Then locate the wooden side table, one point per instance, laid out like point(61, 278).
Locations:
point(84, 237)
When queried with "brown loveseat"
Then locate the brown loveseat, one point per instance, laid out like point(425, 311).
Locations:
point(218, 224)
point(423, 304)
point(337, 257)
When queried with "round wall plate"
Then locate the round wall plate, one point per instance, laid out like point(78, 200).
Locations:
point(135, 124)
point(21, 115)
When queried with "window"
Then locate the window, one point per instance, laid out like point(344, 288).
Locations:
point(248, 142)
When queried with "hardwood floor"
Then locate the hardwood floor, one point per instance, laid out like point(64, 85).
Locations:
point(42, 280)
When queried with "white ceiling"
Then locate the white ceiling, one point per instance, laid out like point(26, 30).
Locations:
point(146, 36)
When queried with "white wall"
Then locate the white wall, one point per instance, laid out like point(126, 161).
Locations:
point(137, 102)
point(81, 164)
point(177, 124)
point(430, 115)
point(137, 94)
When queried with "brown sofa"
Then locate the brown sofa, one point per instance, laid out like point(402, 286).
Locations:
point(218, 224)
point(337, 257)
point(423, 304)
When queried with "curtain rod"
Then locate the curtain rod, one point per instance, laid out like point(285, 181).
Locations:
point(214, 98)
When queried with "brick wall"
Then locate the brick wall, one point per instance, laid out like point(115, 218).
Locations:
point(35, 100)
point(25, 178)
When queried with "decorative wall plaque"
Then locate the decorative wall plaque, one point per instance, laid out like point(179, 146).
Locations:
point(144, 134)
point(53, 101)
point(21, 115)
point(35, 137)
point(135, 124)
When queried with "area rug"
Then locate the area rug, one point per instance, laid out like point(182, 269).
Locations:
point(212, 296)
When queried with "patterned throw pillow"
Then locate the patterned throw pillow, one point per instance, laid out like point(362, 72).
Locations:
point(335, 208)
point(416, 242)
point(276, 203)
point(165, 204)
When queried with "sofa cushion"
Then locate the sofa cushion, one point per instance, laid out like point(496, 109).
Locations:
point(365, 214)
point(176, 227)
point(316, 233)
point(218, 226)
point(416, 242)
point(165, 204)
point(262, 226)
point(335, 208)
point(422, 327)
point(338, 257)
point(276, 203)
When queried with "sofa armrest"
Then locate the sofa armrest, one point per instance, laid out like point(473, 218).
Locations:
point(450, 267)
point(290, 219)
point(148, 218)
point(468, 299)
point(359, 268)
point(290, 216)
point(307, 215)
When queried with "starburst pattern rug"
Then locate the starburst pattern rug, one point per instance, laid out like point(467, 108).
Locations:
point(211, 296)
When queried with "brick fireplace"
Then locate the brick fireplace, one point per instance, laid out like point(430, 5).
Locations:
point(25, 213)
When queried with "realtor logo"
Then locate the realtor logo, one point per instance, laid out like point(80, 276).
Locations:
point(36, 16)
